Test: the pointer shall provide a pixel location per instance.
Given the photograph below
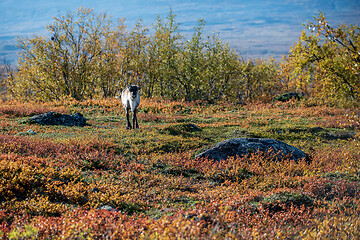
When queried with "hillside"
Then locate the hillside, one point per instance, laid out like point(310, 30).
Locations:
point(102, 181)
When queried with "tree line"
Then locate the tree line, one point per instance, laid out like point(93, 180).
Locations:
point(88, 55)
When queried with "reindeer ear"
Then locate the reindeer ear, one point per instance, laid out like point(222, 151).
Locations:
point(138, 88)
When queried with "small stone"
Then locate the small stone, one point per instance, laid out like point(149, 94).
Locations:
point(107, 207)
point(31, 132)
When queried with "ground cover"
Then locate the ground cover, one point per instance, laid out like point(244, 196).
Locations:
point(103, 181)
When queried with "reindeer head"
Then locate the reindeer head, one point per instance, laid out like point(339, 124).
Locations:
point(133, 89)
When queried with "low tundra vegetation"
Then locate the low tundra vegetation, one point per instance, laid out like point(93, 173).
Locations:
point(103, 181)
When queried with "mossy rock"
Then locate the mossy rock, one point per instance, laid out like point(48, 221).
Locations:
point(181, 129)
point(290, 198)
point(282, 200)
point(342, 176)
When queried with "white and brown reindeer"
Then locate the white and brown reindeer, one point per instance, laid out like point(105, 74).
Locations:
point(130, 99)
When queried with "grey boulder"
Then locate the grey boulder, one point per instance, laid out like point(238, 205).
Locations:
point(245, 146)
point(54, 118)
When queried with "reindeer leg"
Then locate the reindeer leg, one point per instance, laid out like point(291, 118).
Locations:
point(137, 125)
point(128, 124)
point(134, 118)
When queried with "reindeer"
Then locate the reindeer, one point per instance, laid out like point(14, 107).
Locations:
point(130, 99)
